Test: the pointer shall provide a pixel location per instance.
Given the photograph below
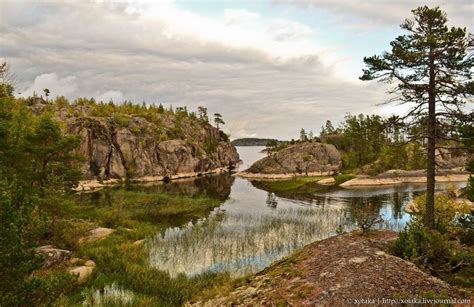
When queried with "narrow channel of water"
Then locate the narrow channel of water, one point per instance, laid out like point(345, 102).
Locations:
point(254, 227)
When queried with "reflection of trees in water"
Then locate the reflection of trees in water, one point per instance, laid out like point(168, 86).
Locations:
point(364, 210)
point(397, 200)
point(271, 201)
point(304, 193)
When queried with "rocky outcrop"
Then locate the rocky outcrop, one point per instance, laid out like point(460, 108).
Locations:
point(96, 234)
point(159, 146)
point(84, 271)
point(396, 177)
point(451, 158)
point(345, 270)
point(52, 255)
point(299, 159)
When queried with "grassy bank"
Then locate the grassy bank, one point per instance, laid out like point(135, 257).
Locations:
point(297, 187)
point(123, 271)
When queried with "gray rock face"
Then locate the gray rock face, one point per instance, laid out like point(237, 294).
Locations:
point(301, 158)
point(137, 148)
point(53, 255)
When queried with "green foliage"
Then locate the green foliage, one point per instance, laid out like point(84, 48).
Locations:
point(37, 162)
point(446, 209)
point(430, 68)
point(470, 188)
point(20, 227)
point(210, 145)
point(202, 114)
point(360, 138)
point(218, 120)
point(121, 120)
point(446, 250)
point(366, 216)
point(340, 178)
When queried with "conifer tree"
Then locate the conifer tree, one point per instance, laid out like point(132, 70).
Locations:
point(430, 68)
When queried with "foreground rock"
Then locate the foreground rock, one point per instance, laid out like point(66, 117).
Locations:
point(97, 234)
point(337, 271)
point(84, 271)
point(312, 159)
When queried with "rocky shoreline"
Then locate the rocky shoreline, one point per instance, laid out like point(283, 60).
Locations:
point(377, 181)
point(94, 184)
point(245, 174)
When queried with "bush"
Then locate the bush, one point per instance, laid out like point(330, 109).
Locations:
point(470, 188)
point(430, 250)
point(366, 216)
point(445, 251)
point(447, 208)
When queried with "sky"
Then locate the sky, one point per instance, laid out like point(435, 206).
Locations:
point(269, 67)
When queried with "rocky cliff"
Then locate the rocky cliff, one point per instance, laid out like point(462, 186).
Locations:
point(151, 144)
point(302, 158)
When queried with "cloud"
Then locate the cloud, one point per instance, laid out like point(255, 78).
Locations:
point(263, 74)
point(113, 95)
point(57, 86)
point(367, 14)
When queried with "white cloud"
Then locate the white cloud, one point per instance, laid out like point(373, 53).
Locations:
point(266, 80)
point(369, 14)
point(57, 86)
point(239, 16)
point(114, 95)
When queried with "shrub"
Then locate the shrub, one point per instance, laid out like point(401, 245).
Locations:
point(430, 250)
point(366, 216)
point(470, 188)
point(443, 250)
point(210, 145)
point(446, 209)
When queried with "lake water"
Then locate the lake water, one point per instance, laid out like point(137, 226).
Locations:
point(255, 226)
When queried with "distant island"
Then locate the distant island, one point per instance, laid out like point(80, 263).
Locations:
point(253, 142)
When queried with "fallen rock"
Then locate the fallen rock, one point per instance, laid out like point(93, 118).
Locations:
point(82, 272)
point(139, 242)
point(53, 255)
point(97, 234)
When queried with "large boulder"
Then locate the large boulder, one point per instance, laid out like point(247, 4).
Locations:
point(53, 255)
point(303, 158)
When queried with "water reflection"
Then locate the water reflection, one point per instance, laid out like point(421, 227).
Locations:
point(241, 243)
point(255, 227)
point(272, 201)
point(250, 225)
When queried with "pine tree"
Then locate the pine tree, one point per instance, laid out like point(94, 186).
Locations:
point(218, 120)
point(430, 67)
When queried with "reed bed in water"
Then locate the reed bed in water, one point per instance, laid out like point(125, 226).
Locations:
point(241, 243)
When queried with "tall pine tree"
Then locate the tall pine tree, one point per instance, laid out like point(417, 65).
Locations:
point(430, 67)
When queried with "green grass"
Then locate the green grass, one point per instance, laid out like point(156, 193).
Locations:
point(122, 263)
point(340, 178)
point(122, 266)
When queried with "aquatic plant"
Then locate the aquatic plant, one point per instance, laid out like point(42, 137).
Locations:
point(111, 295)
point(241, 243)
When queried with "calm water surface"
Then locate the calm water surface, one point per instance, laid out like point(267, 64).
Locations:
point(254, 226)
